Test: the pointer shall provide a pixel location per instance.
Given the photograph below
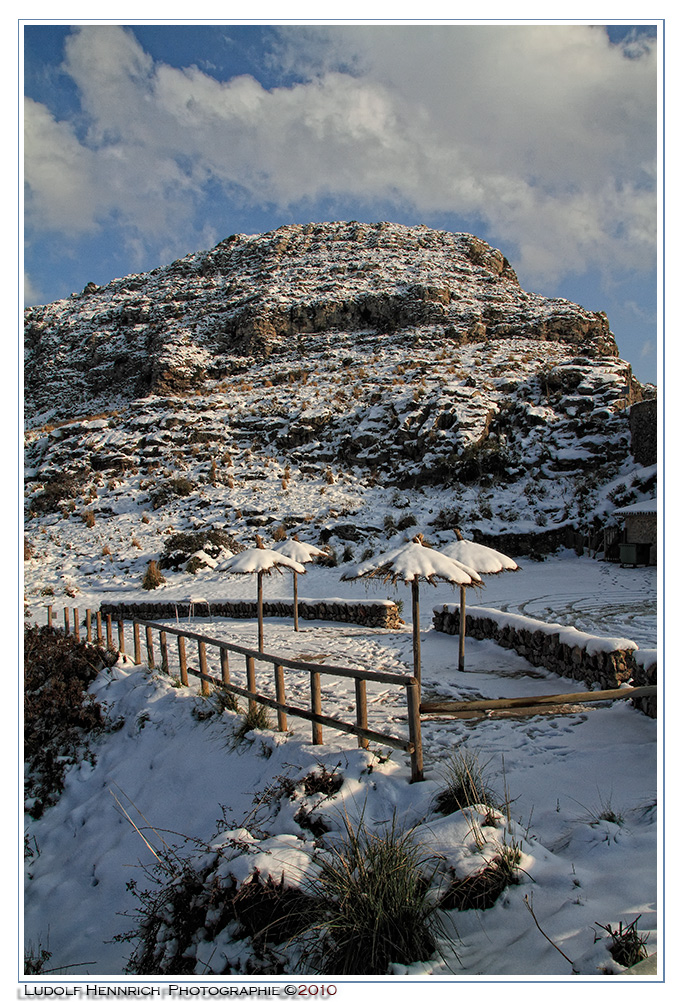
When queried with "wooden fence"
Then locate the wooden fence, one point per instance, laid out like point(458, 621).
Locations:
point(100, 628)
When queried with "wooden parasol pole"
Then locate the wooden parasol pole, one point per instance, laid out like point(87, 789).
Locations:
point(417, 662)
point(461, 637)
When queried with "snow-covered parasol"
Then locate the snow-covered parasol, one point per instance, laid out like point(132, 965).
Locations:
point(411, 563)
point(259, 560)
point(303, 553)
point(484, 560)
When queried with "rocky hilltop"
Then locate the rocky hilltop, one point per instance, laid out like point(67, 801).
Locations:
point(251, 297)
point(339, 378)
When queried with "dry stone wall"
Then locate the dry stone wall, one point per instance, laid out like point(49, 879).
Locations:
point(601, 663)
point(374, 614)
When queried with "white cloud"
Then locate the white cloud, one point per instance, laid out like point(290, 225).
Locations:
point(59, 173)
point(546, 133)
point(31, 292)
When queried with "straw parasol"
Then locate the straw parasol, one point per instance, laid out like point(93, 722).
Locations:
point(259, 560)
point(411, 563)
point(484, 560)
point(303, 553)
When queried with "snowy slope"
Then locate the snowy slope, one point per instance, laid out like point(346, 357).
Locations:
point(187, 779)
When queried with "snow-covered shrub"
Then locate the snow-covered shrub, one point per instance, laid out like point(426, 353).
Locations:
point(191, 903)
point(59, 715)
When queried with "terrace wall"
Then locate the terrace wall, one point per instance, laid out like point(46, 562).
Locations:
point(371, 613)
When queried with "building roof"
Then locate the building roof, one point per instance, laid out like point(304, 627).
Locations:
point(648, 507)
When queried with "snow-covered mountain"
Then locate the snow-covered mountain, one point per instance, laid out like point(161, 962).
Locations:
point(329, 377)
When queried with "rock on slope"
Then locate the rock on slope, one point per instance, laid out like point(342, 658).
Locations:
point(287, 376)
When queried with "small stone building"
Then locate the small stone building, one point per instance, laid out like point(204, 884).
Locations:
point(639, 533)
point(643, 425)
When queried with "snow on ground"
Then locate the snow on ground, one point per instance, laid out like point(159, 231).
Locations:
point(186, 775)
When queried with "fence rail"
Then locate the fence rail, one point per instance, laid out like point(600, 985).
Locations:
point(485, 707)
point(318, 720)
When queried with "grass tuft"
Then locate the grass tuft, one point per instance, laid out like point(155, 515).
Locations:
point(153, 576)
point(603, 811)
point(255, 718)
point(374, 903)
point(628, 945)
point(465, 784)
point(481, 890)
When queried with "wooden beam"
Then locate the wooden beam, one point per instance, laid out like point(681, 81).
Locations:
point(450, 706)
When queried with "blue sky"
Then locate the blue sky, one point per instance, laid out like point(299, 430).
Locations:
point(146, 142)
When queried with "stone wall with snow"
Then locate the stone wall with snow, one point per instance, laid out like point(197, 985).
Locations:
point(600, 662)
point(371, 613)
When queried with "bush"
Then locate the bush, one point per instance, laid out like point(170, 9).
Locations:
point(182, 486)
point(180, 547)
point(59, 715)
point(153, 576)
point(187, 901)
point(373, 903)
point(56, 490)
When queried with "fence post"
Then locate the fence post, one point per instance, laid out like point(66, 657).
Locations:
point(316, 707)
point(251, 682)
point(136, 644)
point(150, 648)
point(182, 658)
point(280, 696)
point(225, 666)
point(88, 625)
point(110, 639)
point(66, 621)
point(415, 731)
point(77, 626)
point(164, 651)
point(122, 638)
point(49, 617)
point(206, 688)
point(361, 710)
point(99, 627)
